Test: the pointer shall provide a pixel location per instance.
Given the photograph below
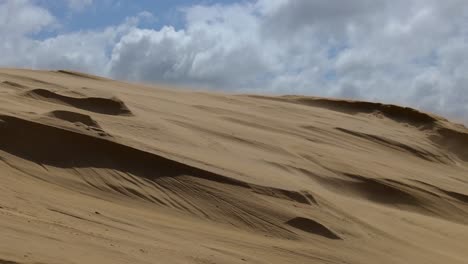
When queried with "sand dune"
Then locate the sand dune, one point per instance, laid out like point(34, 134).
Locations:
point(110, 106)
point(74, 117)
point(194, 177)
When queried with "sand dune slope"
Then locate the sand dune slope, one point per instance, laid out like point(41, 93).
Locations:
point(98, 171)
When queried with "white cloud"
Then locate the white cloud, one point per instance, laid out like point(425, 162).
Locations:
point(19, 17)
point(408, 52)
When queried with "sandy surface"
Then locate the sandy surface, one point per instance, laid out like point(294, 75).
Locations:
point(98, 171)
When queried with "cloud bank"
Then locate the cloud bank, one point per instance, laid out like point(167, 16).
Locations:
point(411, 52)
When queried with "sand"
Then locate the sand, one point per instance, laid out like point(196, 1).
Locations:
point(99, 171)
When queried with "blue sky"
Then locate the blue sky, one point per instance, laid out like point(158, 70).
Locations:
point(104, 13)
point(410, 52)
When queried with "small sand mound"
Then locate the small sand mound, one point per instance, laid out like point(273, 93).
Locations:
point(380, 191)
point(109, 106)
point(453, 140)
point(74, 117)
point(14, 84)
point(413, 150)
point(395, 112)
point(2, 261)
point(458, 196)
point(301, 197)
point(80, 75)
point(313, 227)
point(376, 190)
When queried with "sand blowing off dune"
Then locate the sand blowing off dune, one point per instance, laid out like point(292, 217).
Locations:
point(98, 171)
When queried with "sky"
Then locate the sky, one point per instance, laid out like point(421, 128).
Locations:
point(407, 52)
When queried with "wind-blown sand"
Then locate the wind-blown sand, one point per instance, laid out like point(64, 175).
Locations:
point(99, 171)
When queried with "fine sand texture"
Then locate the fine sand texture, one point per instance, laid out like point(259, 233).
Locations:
point(99, 171)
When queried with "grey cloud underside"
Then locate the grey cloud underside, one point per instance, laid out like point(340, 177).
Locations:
point(406, 52)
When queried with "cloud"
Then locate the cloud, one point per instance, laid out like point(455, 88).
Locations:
point(19, 18)
point(406, 52)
